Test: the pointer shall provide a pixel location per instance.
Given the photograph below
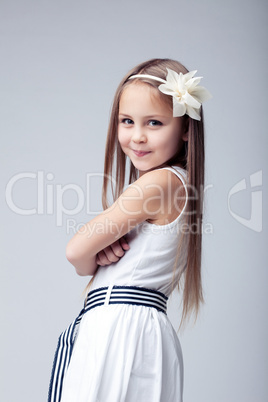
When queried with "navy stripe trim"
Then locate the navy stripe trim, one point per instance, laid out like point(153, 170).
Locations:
point(141, 289)
point(127, 295)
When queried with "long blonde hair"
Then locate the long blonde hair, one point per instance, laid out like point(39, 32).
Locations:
point(191, 157)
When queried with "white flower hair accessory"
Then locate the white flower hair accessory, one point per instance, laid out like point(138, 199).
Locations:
point(187, 95)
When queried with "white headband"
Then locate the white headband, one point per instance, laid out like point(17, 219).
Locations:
point(187, 95)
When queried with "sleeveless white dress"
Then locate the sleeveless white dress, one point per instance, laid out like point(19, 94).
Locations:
point(129, 353)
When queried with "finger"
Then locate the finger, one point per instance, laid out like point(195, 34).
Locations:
point(102, 259)
point(99, 262)
point(124, 244)
point(110, 255)
point(117, 249)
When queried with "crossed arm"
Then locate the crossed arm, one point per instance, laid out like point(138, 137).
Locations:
point(101, 240)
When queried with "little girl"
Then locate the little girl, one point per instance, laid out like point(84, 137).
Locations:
point(122, 347)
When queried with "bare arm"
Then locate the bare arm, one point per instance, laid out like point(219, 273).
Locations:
point(140, 202)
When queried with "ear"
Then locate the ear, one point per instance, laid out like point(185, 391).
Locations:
point(185, 133)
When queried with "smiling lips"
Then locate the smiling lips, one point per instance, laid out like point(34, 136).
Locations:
point(140, 153)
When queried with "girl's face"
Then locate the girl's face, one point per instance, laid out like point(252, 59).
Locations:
point(147, 132)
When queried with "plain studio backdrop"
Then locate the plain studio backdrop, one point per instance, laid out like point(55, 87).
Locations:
point(61, 62)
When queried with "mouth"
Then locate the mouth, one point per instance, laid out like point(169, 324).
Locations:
point(140, 153)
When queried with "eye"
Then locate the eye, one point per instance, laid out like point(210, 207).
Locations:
point(127, 121)
point(155, 123)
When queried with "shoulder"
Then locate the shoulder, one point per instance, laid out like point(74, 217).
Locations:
point(150, 183)
point(159, 179)
point(154, 195)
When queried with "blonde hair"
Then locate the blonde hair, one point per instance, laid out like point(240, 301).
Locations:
point(191, 157)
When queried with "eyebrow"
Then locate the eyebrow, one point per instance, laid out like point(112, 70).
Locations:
point(146, 117)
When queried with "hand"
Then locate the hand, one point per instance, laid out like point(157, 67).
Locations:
point(112, 253)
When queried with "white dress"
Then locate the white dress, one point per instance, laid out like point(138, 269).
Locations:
point(129, 353)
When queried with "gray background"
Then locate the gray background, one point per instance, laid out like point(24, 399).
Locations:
point(61, 62)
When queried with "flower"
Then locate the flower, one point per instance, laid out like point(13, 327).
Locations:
point(187, 94)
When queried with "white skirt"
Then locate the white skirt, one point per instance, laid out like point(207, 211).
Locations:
point(125, 353)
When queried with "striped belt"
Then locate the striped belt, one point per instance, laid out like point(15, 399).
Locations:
point(98, 297)
point(126, 295)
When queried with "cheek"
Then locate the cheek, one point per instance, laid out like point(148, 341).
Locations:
point(122, 138)
point(170, 144)
point(119, 135)
point(176, 136)
point(169, 140)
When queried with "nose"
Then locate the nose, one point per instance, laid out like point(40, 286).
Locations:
point(139, 135)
